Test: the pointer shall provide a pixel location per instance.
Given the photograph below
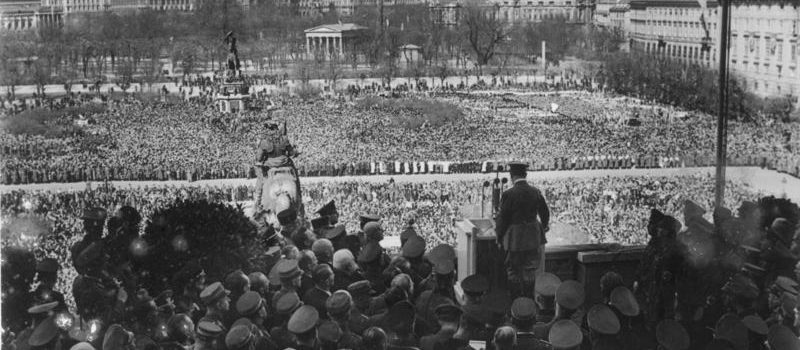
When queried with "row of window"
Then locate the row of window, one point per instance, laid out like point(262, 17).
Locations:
point(751, 45)
point(679, 51)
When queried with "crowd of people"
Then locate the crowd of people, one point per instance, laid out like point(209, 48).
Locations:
point(322, 292)
point(128, 138)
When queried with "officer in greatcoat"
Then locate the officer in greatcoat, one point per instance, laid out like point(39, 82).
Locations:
point(521, 224)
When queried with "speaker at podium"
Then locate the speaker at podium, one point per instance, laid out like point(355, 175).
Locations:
point(477, 251)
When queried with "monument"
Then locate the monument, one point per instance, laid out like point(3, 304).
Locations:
point(233, 93)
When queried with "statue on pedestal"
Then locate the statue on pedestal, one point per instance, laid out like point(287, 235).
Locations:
point(234, 67)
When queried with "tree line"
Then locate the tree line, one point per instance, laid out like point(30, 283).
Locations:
point(688, 85)
point(133, 46)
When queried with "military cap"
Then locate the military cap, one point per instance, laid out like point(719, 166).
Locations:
point(671, 335)
point(517, 167)
point(360, 288)
point(414, 247)
point(334, 232)
point(729, 327)
point(444, 267)
point(213, 292)
point(477, 313)
point(242, 321)
point(400, 316)
point(371, 252)
point(623, 299)
point(373, 230)
point(741, 285)
point(692, 209)
point(565, 334)
point(287, 303)
point(303, 319)
point(603, 320)
point(117, 337)
point(329, 331)
point(288, 269)
point(547, 284)
point(656, 216)
point(47, 265)
point(319, 223)
point(781, 337)
point(340, 301)
point(208, 329)
point(786, 284)
point(367, 218)
point(249, 303)
point(327, 209)
point(45, 332)
point(570, 294)
point(441, 253)
point(755, 324)
point(238, 337)
point(82, 346)
point(475, 284)
point(406, 234)
point(287, 216)
point(782, 229)
point(96, 213)
point(42, 308)
point(447, 312)
point(523, 309)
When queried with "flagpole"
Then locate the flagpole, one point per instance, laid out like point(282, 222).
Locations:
point(722, 115)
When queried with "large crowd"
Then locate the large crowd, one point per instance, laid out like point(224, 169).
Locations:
point(127, 140)
point(319, 292)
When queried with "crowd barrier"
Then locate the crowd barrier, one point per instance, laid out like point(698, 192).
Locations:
point(790, 166)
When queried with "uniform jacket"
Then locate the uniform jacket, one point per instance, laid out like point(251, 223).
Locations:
point(429, 342)
point(517, 226)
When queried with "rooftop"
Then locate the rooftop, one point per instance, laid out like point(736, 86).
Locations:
point(340, 27)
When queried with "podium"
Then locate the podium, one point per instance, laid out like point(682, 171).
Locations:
point(477, 252)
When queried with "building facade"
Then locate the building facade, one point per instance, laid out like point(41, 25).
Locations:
point(27, 15)
point(765, 46)
point(763, 40)
point(519, 11)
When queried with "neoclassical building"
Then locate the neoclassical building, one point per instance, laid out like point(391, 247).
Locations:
point(330, 39)
point(764, 42)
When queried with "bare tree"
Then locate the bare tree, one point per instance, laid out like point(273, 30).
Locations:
point(484, 32)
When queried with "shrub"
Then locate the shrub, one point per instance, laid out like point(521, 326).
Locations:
point(307, 92)
point(218, 235)
point(46, 122)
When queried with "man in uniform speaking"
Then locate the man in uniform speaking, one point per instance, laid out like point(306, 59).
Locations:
point(520, 226)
